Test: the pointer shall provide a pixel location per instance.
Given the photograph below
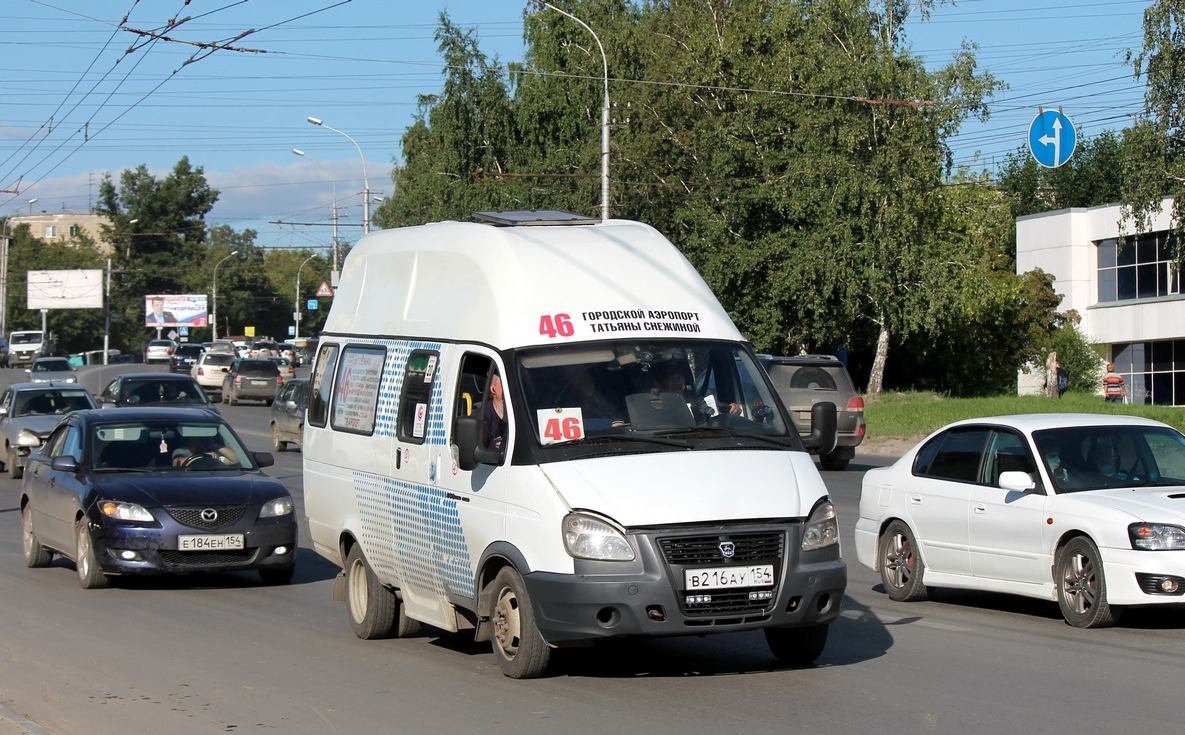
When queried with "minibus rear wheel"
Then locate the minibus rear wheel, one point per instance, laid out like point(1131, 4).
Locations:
point(518, 645)
point(372, 606)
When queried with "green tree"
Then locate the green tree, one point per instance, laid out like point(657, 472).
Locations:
point(457, 139)
point(77, 330)
point(1155, 164)
point(1093, 176)
point(795, 151)
point(157, 231)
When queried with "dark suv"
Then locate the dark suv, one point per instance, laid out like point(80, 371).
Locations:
point(185, 357)
point(251, 378)
point(804, 380)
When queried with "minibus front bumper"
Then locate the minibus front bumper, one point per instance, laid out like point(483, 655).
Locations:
point(650, 596)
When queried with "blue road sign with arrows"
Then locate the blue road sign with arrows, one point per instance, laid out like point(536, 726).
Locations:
point(1052, 138)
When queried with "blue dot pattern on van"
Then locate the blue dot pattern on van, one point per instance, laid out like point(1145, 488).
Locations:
point(412, 531)
point(392, 384)
point(429, 548)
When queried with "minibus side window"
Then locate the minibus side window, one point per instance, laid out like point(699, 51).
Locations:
point(419, 375)
point(356, 388)
point(323, 370)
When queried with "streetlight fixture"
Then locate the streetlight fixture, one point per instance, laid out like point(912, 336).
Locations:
point(604, 113)
point(296, 300)
point(365, 181)
point(214, 289)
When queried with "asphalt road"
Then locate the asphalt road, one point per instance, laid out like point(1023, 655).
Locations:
point(224, 654)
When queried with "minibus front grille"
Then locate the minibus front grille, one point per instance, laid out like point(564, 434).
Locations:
point(714, 550)
point(708, 549)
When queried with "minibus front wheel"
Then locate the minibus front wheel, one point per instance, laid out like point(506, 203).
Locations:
point(518, 645)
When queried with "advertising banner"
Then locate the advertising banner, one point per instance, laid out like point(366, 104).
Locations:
point(186, 310)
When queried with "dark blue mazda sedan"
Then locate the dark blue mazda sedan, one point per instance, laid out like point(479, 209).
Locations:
point(124, 491)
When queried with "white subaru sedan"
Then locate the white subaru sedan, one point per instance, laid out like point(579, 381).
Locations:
point(1082, 509)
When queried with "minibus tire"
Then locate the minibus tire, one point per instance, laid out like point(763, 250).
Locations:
point(371, 606)
point(518, 645)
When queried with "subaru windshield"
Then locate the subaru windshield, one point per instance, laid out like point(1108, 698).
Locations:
point(631, 390)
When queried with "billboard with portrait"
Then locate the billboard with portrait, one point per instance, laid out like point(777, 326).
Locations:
point(185, 310)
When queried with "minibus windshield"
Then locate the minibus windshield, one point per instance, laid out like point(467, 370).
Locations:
point(652, 388)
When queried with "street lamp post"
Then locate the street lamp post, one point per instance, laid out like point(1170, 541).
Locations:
point(365, 181)
point(604, 114)
point(4, 242)
point(296, 300)
point(214, 290)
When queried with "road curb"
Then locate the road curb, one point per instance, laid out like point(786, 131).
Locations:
point(13, 723)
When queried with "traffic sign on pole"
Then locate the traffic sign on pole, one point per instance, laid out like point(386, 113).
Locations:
point(1052, 138)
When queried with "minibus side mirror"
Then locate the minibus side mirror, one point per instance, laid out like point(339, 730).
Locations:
point(823, 424)
point(470, 453)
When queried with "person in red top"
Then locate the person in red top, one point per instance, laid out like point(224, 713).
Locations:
point(1114, 387)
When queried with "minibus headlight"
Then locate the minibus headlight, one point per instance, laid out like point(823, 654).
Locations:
point(821, 530)
point(586, 537)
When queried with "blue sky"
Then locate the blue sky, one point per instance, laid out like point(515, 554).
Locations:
point(79, 96)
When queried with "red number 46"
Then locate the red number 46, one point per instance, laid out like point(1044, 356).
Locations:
point(556, 325)
point(569, 429)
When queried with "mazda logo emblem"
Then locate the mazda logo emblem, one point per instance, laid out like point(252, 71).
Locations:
point(728, 549)
point(209, 515)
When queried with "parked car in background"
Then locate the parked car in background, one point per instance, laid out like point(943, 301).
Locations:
point(130, 491)
point(155, 389)
point(288, 409)
point(55, 369)
point(222, 345)
point(288, 351)
point(184, 358)
point(29, 411)
point(3, 351)
point(159, 350)
point(251, 378)
point(211, 368)
point(264, 348)
point(287, 369)
point(804, 380)
point(1080, 509)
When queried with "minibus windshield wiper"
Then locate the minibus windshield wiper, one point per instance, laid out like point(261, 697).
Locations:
point(723, 431)
point(589, 441)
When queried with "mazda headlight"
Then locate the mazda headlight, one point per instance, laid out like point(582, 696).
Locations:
point(125, 511)
point(276, 508)
point(1156, 537)
point(586, 537)
point(822, 529)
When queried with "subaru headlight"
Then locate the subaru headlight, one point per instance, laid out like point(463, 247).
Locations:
point(1156, 537)
point(586, 537)
point(822, 529)
point(276, 508)
point(125, 511)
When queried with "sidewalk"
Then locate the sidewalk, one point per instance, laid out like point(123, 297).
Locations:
point(13, 723)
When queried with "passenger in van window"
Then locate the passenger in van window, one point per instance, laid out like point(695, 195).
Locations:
point(493, 415)
point(671, 377)
point(597, 410)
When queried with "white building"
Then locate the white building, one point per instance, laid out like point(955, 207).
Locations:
point(1129, 295)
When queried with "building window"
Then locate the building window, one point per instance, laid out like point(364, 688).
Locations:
point(51, 231)
point(1140, 268)
point(1153, 371)
point(75, 230)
